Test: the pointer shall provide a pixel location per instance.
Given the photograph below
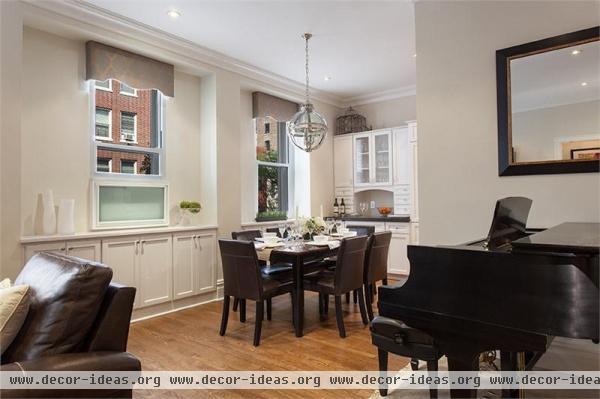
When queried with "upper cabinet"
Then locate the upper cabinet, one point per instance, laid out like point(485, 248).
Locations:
point(373, 158)
point(342, 161)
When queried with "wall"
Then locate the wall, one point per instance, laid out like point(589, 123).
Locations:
point(456, 107)
point(535, 132)
point(390, 113)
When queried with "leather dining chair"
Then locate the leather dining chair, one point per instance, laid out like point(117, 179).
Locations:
point(246, 235)
point(376, 263)
point(244, 279)
point(276, 230)
point(346, 277)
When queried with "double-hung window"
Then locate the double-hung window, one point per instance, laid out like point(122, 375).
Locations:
point(128, 133)
point(273, 162)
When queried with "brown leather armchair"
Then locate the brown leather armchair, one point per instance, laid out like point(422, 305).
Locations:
point(78, 321)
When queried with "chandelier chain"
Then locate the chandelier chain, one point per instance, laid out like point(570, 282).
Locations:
point(306, 37)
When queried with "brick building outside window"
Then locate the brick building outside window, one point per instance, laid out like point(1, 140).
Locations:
point(126, 117)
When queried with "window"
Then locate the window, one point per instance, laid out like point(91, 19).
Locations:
point(128, 166)
point(138, 133)
point(128, 127)
point(128, 91)
point(103, 124)
point(104, 85)
point(272, 155)
point(104, 165)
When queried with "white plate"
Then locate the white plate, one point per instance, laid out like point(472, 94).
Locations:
point(267, 239)
point(321, 244)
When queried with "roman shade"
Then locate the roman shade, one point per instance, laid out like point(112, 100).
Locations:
point(264, 105)
point(105, 62)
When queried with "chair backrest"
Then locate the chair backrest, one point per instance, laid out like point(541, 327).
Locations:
point(376, 258)
point(362, 230)
point(276, 230)
point(241, 270)
point(246, 235)
point(350, 264)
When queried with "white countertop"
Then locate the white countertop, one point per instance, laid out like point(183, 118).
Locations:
point(113, 233)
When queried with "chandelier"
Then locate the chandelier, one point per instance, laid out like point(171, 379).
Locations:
point(308, 128)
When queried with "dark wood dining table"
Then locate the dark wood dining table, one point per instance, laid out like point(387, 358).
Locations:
point(299, 256)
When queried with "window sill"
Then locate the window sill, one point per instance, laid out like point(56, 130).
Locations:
point(128, 94)
point(101, 138)
point(128, 142)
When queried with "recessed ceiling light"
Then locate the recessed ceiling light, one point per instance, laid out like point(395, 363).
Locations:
point(575, 52)
point(173, 13)
point(584, 83)
point(415, 55)
point(327, 78)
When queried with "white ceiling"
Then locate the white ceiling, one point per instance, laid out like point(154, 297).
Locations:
point(365, 47)
point(554, 78)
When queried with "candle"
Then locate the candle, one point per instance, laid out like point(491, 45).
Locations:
point(321, 211)
point(297, 212)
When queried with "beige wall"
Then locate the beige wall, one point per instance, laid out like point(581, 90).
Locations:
point(456, 107)
point(390, 113)
point(536, 132)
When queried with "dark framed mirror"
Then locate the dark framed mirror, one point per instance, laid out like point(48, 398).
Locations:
point(548, 95)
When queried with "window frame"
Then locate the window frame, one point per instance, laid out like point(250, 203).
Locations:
point(109, 88)
point(135, 135)
point(160, 151)
point(289, 166)
point(109, 164)
point(109, 138)
point(135, 172)
point(124, 93)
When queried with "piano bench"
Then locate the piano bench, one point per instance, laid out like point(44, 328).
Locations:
point(393, 336)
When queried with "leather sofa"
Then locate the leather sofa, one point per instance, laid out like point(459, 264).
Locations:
point(78, 321)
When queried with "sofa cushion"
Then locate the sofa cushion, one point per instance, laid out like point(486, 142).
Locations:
point(66, 293)
point(14, 304)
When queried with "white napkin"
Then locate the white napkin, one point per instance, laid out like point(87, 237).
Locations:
point(333, 244)
point(260, 245)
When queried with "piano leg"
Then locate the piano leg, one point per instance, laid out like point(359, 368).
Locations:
point(512, 361)
point(463, 362)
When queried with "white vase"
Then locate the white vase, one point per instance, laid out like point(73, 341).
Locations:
point(49, 217)
point(66, 217)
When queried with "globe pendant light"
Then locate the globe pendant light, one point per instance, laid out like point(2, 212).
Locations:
point(308, 128)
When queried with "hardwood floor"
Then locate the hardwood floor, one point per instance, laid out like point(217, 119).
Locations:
point(189, 340)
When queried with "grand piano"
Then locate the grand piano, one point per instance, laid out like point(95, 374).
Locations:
point(513, 291)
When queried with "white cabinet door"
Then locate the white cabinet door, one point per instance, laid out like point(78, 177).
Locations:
point(414, 216)
point(342, 161)
point(121, 255)
point(381, 149)
point(206, 263)
point(414, 233)
point(362, 159)
point(85, 249)
point(155, 269)
point(32, 249)
point(184, 268)
point(397, 259)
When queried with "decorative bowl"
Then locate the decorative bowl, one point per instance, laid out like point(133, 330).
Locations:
point(384, 211)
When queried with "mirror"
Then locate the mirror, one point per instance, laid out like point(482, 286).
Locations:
point(549, 105)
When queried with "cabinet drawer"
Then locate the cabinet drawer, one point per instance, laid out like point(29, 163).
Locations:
point(403, 189)
point(402, 210)
point(398, 227)
point(403, 199)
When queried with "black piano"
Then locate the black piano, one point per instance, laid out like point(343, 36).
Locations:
point(513, 291)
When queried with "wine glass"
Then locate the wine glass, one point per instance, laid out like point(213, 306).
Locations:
point(282, 227)
point(363, 208)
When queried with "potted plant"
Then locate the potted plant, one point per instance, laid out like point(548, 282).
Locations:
point(312, 226)
point(269, 216)
point(187, 209)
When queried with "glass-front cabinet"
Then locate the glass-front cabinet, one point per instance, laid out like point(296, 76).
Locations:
point(373, 158)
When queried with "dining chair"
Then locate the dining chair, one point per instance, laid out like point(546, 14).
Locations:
point(281, 272)
point(276, 230)
point(376, 265)
point(244, 279)
point(347, 277)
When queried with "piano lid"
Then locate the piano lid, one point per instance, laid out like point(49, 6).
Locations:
point(566, 237)
point(509, 221)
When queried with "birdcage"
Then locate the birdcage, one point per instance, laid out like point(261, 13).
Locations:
point(351, 122)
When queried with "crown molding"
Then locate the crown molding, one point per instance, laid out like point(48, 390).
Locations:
point(76, 16)
point(386, 95)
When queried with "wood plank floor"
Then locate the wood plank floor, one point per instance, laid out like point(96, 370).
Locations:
point(189, 340)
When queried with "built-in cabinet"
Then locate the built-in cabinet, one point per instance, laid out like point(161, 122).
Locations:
point(164, 267)
point(373, 158)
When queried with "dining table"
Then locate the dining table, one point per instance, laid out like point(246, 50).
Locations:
point(298, 255)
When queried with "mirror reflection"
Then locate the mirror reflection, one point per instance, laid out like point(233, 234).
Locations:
point(555, 105)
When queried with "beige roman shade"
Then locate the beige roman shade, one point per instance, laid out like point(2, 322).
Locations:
point(105, 62)
point(264, 105)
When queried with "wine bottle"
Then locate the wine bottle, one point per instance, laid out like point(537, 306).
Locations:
point(342, 208)
point(336, 208)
